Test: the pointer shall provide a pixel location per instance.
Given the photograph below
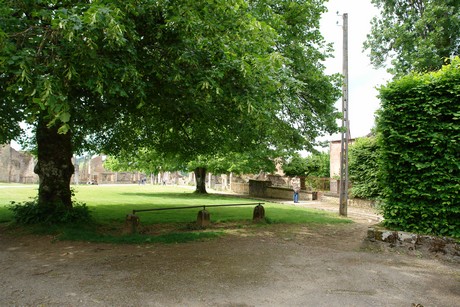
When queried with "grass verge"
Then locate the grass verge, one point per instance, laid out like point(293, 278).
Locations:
point(110, 204)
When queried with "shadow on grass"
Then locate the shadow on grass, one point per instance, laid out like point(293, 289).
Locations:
point(95, 233)
point(167, 238)
point(109, 207)
point(180, 196)
point(275, 214)
point(159, 195)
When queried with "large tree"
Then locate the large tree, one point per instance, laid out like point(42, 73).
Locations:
point(66, 68)
point(150, 161)
point(315, 165)
point(418, 35)
point(187, 78)
point(268, 91)
point(248, 162)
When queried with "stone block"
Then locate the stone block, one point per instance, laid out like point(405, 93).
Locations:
point(407, 237)
point(371, 234)
point(389, 236)
point(132, 222)
point(203, 218)
point(259, 213)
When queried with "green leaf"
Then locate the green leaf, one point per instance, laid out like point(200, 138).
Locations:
point(63, 129)
point(64, 117)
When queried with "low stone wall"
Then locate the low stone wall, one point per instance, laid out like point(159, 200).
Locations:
point(352, 202)
point(440, 246)
point(282, 193)
point(362, 203)
point(330, 198)
point(258, 188)
point(240, 188)
point(287, 193)
point(263, 188)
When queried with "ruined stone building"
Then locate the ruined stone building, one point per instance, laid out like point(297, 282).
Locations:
point(16, 166)
point(91, 170)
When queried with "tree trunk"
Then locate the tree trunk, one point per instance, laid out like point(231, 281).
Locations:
point(200, 177)
point(54, 167)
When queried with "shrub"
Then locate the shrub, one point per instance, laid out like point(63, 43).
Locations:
point(364, 168)
point(30, 212)
point(419, 128)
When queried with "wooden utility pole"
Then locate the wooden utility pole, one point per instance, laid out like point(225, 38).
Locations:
point(345, 125)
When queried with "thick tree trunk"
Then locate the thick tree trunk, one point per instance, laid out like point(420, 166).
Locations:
point(54, 167)
point(200, 177)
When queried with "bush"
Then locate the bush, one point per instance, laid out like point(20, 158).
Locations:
point(364, 168)
point(318, 183)
point(30, 212)
point(419, 127)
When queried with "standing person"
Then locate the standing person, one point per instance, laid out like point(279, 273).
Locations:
point(295, 183)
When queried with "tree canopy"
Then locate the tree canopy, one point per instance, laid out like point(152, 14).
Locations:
point(261, 85)
point(416, 35)
point(66, 69)
point(316, 165)
point(186, 78)
point(263, 93)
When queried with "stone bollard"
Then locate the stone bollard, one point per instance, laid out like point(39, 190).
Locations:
point(131, 223)
point(203, 218)
point(259, 213)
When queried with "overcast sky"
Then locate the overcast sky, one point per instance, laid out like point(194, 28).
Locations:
point(362, 78)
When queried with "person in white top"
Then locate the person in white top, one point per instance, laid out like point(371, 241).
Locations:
point(295, 183)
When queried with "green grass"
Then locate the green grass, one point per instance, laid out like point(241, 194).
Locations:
point(17, 193)
point(109, 206)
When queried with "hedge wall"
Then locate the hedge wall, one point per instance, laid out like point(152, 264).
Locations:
point(364, 168)
point(419, 137)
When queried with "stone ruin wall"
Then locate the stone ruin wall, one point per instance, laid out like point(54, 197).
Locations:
point(16, 166)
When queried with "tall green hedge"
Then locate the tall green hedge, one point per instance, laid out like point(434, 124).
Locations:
point(364, 168)
point(419, 136)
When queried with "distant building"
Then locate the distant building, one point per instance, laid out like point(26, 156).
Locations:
point(335, 147)
point(16, 166)
point(90, 170)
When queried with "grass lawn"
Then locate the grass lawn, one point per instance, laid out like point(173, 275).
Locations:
point(110, 204)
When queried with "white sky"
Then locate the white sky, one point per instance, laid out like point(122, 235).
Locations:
point(362, 78)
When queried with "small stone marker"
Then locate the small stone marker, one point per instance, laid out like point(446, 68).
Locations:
point(131, 223)
point(259, 213)
point(203, 218)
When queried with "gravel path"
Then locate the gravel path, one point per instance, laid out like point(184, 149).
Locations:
point(278, 265)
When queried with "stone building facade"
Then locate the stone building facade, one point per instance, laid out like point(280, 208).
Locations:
point(16, 166)
point(335, 148)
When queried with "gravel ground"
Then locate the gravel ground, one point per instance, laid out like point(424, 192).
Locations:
point(277, 265)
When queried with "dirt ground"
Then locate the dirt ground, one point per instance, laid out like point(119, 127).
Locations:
point(257, 266)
